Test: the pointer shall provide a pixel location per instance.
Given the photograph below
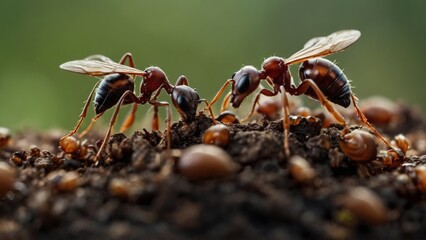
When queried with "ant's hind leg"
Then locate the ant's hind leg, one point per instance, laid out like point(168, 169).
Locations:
point(88, 128)
point(365, 121)
point(83, 113)
point(304, 86)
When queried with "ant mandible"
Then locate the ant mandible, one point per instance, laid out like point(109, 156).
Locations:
point(321, 79)
point(117, 88)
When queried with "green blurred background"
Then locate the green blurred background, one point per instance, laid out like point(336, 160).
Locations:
point(205, 40)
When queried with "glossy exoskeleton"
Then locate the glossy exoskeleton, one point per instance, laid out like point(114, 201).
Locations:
point(320, 79)
point(117, 89)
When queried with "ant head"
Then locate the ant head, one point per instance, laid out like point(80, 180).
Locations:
point(274, 67)
point(247, 79)
point(186, 100)
point(154, 79)
point(154, 74)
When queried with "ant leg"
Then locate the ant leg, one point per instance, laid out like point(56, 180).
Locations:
point(127, 56)
point(304, 86)
point(286, 121)
point(130, 119)
point(114, 119)
point(210, 109)
point(157, 104)
point(83, 113)
point(88, 128)
point(155, 119)
point(225, 102)
point(221, 90)
point(365, 121)
point(265, 92)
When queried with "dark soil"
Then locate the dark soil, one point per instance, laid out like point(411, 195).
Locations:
point(131, 195)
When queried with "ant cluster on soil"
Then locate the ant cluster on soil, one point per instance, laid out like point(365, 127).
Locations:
point(282, 162)
point(320, 78)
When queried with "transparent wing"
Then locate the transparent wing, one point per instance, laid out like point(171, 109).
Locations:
point(104, 66)
point(323, 46)
point(99, 57)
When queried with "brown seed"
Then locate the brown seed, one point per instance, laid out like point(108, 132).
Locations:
point(44, 162)
point(18, 157)
point(402, 143)
point(302, 111)
point(365, 204)
point(4, 136)
point(217, 134)
point(227, 117)
point(64, 181)
point(69, 182)
point(301, 170)
point(69, 144)
point(392, 159)
point(379, 110)
point(325, 117)
point(270, 108)
point(359, 145)
point(119, 187)
point(204, 162)
point(421, 177)
point(7, 178)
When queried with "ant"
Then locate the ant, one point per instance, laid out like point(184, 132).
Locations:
point(321, 80)
point(117, 89)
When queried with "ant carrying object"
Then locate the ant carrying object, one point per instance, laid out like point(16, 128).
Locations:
point(117, 89)
point(320, 78)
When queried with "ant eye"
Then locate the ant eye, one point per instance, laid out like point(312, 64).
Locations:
point(233, 75)
point(183, 103)
point(243, 84)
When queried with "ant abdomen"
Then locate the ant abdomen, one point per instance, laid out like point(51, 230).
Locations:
point(110, 90)
point(329, 78)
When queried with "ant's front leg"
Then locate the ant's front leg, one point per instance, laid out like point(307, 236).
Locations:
point(225, 102)
point(265, 92)
point(210, 109)
point(220, 92)
point(127, 57)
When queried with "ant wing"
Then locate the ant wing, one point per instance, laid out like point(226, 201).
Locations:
point(99, 57)
point(99, 68)
point(323, 46)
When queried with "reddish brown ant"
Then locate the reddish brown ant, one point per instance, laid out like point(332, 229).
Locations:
point(117, 88)
point(321, 79)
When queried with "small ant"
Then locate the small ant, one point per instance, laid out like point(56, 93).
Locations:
point(117, 89)
point(321, 79)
